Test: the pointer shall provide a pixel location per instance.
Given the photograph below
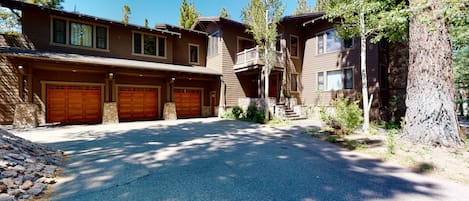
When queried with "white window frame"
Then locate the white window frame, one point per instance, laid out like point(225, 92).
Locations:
point(67, 34)
point(215, 36)
point(323, 81)
point(297, 82)
point(323, 34)
point(297, 46)
point(142, 45)
point(198, 53)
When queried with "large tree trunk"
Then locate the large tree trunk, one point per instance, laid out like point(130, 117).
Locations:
point(431, 110)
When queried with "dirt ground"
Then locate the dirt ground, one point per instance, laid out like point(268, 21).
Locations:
point(449, 163)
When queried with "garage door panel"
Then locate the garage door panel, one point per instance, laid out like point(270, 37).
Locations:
point(73, 103)
point(137, 103)
point(187, 102)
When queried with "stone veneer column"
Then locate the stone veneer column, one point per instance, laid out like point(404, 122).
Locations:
point(25, 115)
point(169, 111)
point(110, 115)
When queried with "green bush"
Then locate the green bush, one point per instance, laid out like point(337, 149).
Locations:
point(347, 116)
point(228, 114)
point(237, 111)
point(251, 112)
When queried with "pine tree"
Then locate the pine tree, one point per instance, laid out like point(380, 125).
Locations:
point(188, 14)
point(127, 12)
point(224, 13)
point(145, 23)
point(302, 7)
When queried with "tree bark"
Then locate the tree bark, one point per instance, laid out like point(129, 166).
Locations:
point(431, 110)
point(366, 103)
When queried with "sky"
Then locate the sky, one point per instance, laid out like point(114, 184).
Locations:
point(161, 11)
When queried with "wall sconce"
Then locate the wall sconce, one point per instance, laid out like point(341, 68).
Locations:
point(111, 75)
point(20, 69)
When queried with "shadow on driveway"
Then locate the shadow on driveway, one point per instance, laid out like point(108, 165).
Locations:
point(223, 160)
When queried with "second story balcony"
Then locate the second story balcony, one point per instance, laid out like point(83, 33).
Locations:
point(254, 58)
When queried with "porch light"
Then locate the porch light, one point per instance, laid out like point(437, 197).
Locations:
point(20, 67)
point(111, 75)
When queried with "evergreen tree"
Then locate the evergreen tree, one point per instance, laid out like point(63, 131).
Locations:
point(224, 13)
point(145, 23)
point(127, 12)
point(302, 7)
point(262, 17)
point(188, 14)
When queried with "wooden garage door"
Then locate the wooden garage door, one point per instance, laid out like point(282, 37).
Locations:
point(187, 102)
point(73, 103)
point(138, 103)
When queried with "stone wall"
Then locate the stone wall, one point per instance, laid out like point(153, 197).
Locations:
point(110, 115)
point(25, 115)
point(9, 92)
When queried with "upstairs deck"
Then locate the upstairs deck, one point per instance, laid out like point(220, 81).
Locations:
point(254, 58)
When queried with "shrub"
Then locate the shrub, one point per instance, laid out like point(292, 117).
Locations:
point(228, 114)
point(237, 111)
point(346, 118)
point(251, 112)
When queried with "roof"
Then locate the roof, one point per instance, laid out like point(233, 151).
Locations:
point(217, 19)
point(115, 62)
point(21, 5)
point(172, 27)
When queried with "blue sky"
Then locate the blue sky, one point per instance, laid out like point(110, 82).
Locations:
point(161, 11)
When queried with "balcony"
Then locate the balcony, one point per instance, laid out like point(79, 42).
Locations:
point(254, 58)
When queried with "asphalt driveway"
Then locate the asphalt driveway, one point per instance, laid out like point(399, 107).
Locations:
point(212, 159)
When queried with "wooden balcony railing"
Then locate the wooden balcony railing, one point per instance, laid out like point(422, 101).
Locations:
point(255, 56)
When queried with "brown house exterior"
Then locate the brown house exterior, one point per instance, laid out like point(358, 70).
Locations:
point(75, 68)
point(72, 68)
point(305, 73)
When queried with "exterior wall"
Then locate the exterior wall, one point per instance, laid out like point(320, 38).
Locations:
point(9, 93)
point(37, 27)
point(314, 63)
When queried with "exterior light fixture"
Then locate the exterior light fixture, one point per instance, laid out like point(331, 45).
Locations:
point(111, 75)
point(20, 67)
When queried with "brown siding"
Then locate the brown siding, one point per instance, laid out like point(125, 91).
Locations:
point(9, 95)
point(181, 48)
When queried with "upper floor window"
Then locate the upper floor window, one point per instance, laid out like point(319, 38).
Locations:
point(68, 32)
point(81, 34)
point(148, 44)
point(294, 44)
point(329, 42)
point(213, 44)
point(193, 54)
point(320, 81)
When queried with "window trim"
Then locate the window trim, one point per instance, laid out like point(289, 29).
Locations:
point(342, 75)
point(67, 34)
point(142, 43)
point(323, 81)
point(198, 53)
point(217, 36)
point(297, 46)
point(324, 38)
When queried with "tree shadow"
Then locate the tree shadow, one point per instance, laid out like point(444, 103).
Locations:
point(222, 160)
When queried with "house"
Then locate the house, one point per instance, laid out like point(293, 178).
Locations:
point(312, 65)
point(68, 67)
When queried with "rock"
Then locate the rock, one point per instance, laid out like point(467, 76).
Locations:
point(8, 182)
point(3, 188)
point(50, 170)
point(49, 181)
point(18, 168)
point(6, 197)
point(9, 173)
point(16, 156)
point(36, 189)
point(18, 180)
point(16, 192)
point(3, 163)
point(26, 185)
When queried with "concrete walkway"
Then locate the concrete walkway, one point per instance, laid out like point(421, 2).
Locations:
point(212, 159)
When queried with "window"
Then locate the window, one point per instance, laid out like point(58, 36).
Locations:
point(101, 37)
point(149, 45)
point(137, 43)
point(294, 50)
point(278, 43)
point(67, 32)
point(329, 42)
point(320, 81)
point(59, 31)
point(340, 79)
point(193, 54)
point(152, 45)
point(294, 82)
point(213, 44)
point(81, 34)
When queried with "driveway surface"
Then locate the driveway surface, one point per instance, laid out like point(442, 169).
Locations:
point(212, 159)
